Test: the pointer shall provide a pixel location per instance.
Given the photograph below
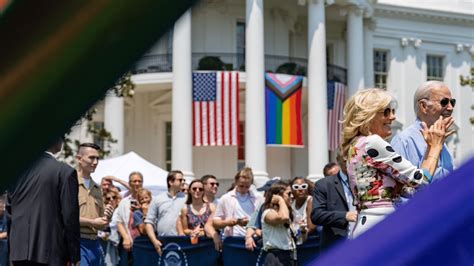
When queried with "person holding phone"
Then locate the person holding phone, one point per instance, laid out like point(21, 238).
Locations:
point(237, 206)
point(124, 216)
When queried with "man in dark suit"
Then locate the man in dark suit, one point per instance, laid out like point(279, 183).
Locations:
point(332, 207)
point(43, 212)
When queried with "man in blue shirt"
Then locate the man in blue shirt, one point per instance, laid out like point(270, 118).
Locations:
point(432, 100)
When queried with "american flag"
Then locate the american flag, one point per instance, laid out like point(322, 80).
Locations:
point(216, 108)
point(336, 101)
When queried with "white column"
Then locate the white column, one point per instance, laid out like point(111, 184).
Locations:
point(355, 50)
point(465, 100)
point(181, 143)
point(317, 90)
point(369, 53)
point(114, 122)
point(255, 146)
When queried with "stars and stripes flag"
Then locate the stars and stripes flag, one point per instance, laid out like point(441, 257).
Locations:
point(216, 108)
point(336, 100)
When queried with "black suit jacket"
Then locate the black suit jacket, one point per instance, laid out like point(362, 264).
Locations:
point(43, 214)
point(329, 210)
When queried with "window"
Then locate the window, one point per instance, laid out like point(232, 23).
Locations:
point(97, 139)
point(434, 67)
point(380, 69)
point(241, 148)
point(240, 31)
point(169, 46)
point(329, 54)
point(168, 146)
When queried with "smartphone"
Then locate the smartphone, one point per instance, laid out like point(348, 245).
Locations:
point(239, 220)
point(134, 204)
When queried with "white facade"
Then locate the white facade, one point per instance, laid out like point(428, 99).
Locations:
point(350, 30)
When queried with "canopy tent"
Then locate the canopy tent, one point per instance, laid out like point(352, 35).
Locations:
point(154, 178)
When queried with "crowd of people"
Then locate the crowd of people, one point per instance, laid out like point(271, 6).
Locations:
point(59, 215)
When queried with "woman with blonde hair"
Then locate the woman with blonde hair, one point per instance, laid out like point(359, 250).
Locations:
point(377, 174)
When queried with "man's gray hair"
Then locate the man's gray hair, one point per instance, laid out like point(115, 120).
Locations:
point(424, 92)
point(135, 173)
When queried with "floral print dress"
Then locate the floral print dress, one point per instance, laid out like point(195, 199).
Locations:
point(377, 174)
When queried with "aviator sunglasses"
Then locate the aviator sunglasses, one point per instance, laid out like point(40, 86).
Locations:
point(299, 187)
point(197, 189)
point(444, 102)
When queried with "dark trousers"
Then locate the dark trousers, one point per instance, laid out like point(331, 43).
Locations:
point(278, 257)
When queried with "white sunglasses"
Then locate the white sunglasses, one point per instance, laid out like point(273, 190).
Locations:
point(299, 187)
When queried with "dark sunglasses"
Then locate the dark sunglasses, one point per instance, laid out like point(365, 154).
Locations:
point(445, 102)
point(184, 189)
point(197, 189)
point(111, 198)
point(180, 180)
point(214, 184)
point(387, 111)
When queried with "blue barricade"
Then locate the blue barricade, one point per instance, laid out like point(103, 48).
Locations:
point(180, 251)
point(3, 253)
point(235, 253)
point(176, 251)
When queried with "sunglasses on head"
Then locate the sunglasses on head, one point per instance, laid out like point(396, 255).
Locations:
point(299, 187)
point(197, 189)
point(445, 102)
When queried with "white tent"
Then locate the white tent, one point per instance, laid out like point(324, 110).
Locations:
point(154, 178)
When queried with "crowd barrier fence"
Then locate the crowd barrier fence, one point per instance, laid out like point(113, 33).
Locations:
point(180, 251)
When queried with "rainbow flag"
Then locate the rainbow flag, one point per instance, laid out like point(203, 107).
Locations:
point(283, 109)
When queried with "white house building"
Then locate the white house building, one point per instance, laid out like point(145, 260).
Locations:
point(389, 44)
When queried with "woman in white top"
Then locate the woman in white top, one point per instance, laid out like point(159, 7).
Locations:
point(302, 205)
point(276, 220)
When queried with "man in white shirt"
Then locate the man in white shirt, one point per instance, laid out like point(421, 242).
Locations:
point(236, 206)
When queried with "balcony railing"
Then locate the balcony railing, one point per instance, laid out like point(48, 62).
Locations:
point(233, 61)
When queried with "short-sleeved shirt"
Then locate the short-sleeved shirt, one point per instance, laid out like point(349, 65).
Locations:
point(123, 213)
point(230, 206)
point(164, 212)
point(91, 205)
point(276, 236)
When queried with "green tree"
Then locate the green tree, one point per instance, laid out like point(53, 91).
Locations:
point(469, 80)
point(123, 87)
